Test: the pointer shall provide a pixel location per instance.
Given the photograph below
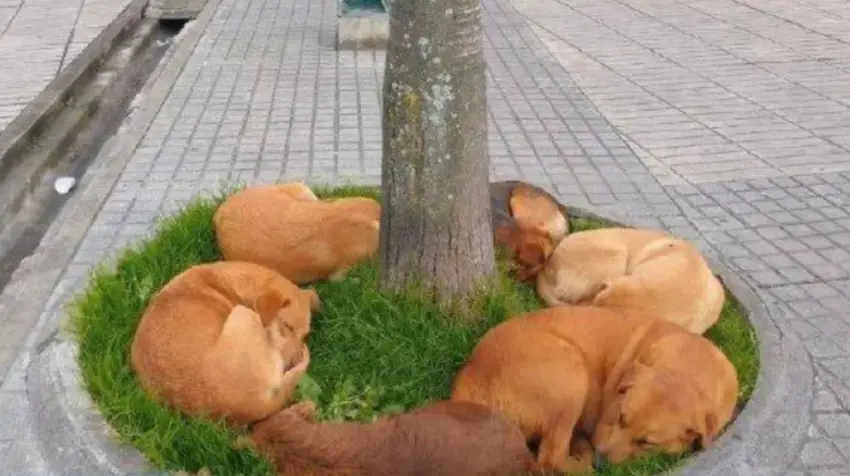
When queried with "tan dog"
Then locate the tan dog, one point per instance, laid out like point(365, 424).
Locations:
point(567, 373)
point(286, 228)
point(536, 226)
point(225, 339)
point(442, 439)
point(645, 271)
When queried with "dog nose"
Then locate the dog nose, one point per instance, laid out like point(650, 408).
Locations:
point(696, 445)
point(598, 460)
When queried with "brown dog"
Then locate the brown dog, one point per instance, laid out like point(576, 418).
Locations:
point(226, 340)
point(286, 228)
point(536, 226)
point(645, 271)
point(569, 373)
point(441, 439)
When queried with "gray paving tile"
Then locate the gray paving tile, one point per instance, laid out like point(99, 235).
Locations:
point(745, 99)
point(39, 38)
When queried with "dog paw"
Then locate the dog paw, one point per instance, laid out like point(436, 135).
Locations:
point(582, 450)
point(243, 442)
point(297, 367)
point(305, 409)
point(338, 275)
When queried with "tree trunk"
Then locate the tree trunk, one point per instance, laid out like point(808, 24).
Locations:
point(435, 223)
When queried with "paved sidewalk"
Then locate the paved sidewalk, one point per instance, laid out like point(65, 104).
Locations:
point(728, 125)
point(38, 38)
point(742, 109)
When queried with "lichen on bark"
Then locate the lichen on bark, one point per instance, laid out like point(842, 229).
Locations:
point(435, 227)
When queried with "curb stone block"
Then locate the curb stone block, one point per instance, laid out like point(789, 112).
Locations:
point(73, 435)
point(175, 9)
point(362, 30)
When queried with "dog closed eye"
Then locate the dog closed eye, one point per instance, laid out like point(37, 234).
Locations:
point(644, 443)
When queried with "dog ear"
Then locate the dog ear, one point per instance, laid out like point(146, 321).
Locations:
point(702, 439)
point(520, 194)
point(630, 377)
point(315, 301)
point(268, 304)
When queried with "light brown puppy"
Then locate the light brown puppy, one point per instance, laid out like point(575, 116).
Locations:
point(645, 271)
point(567, 374)
point(286, 228)
point(226, 340)
point(536, 225)
point(441, 439)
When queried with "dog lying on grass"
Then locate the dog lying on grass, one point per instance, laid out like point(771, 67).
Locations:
point(225, 340)
point(288, 229)
point(645, 271)
point(441, 439)
point(570, 376)
point(530, 228)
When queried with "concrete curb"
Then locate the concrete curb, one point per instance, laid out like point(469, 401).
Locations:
point(749, 446)
point(175, 9)
point(72, 433)
point(31, 124)
point(80, 442)
point(362, 30)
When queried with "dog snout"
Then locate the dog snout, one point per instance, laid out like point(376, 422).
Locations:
point(696, 445)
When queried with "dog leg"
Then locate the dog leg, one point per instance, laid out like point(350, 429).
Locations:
point(582, 448)
point(243, 442)
point(245, 367)
point(556, 443)
point(305, 410)
point(291, 378)
point(275, 336)
point(619, 292)
point(338, 275)
point(592, 294)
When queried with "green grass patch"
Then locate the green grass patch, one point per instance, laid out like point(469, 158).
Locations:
point(372, 354)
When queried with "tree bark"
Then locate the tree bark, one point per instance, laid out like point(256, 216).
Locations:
point(435, 222)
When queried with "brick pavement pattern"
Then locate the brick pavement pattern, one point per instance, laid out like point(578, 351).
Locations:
point(724, 122)
point(742, 110)
point(38, 38)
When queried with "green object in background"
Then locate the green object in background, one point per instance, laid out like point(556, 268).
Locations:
point(369, 5)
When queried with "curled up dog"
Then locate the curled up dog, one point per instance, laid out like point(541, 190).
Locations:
point(644, 271)
point(225, 340)
point(287, 228)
